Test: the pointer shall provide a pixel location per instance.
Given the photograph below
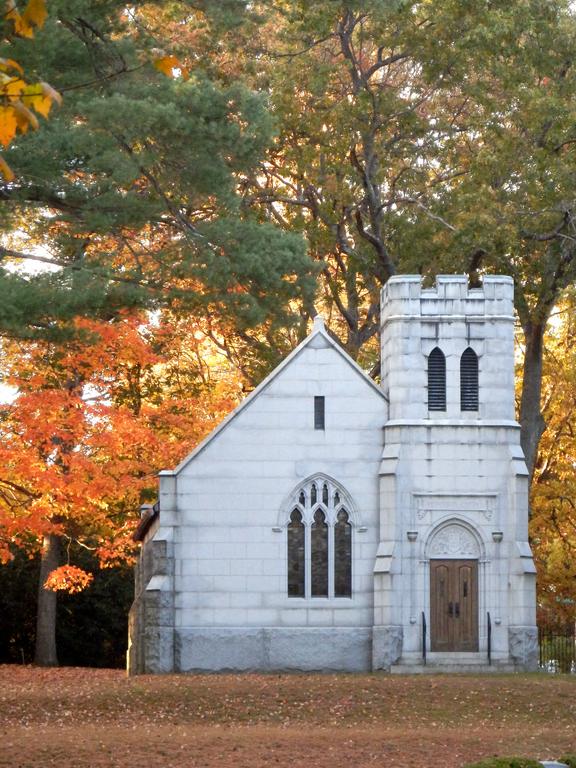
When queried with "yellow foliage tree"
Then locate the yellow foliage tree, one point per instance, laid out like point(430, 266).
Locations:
point(553, 523)
point(19, 99)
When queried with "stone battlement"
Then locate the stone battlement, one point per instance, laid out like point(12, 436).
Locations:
point(404, 295)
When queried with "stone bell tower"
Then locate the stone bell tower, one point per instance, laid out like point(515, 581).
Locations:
point(454, 577)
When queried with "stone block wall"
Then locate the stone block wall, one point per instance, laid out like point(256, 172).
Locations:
point(228, 506)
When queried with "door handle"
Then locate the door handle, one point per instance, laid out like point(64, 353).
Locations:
point(457, 610)
point(450, 609)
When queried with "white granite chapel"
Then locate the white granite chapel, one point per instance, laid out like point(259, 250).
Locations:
point(332, 524)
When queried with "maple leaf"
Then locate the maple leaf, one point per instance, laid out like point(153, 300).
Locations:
point(33, 16)
point(8, 125)
point(34, 97)
point(35, 13)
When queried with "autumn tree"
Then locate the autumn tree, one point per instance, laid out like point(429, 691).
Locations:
point(553, 524)
point(134, 183)
point(131, 198)
point(91, 425)
point(421, 136)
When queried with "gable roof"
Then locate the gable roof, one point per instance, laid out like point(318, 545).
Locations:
point(318, 334)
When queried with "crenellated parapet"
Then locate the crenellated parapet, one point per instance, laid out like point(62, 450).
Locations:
point(451, 296)
point(448, 320)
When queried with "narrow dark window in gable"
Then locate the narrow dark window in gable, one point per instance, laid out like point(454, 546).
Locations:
point(302, 498)
point(469, 381)
point(296, 572)
point(319, 412)
point(319, 536)
point(325, 494)
point(313, 495)
point(436, 380)
point(342, 555)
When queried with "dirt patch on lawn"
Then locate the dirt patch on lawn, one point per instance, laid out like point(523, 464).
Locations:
point(81, 717)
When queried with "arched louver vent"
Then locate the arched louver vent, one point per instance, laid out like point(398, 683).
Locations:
point(469, 381)
point(436, 380)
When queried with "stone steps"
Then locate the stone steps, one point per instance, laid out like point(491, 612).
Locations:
point(444, 669)
point(437, 663)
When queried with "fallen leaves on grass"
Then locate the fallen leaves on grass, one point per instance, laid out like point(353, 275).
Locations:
point(288, 720)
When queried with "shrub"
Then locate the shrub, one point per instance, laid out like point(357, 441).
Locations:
point(506, 762)
point(570, 760)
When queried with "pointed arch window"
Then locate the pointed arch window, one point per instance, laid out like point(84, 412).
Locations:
point(319, 542)
point(469, 380)
point(436, 380)
point(319, 554)
point(342, 555)
point(296, 549)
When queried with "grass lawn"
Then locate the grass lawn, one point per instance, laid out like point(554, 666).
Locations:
point(85, 717)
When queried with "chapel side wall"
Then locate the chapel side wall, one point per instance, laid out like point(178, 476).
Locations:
point(231, 605)
point(452, 467)
point(151, 616)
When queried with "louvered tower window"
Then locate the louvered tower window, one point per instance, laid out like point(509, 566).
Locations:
point(469, 381)
point(436, 380)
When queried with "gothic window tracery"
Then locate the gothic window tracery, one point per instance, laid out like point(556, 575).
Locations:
point(319, 542)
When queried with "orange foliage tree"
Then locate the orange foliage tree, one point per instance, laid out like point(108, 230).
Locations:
point(553, 523)
point(80, 445)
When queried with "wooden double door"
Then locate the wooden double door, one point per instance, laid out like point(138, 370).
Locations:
point(454, 605)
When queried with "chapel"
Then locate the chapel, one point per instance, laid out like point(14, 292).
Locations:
point(330, 523)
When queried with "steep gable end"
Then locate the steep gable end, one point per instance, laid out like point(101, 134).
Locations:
point(319, 340)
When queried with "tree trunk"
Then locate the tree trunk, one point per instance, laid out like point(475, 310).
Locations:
point(45, 652)
point(531, 420)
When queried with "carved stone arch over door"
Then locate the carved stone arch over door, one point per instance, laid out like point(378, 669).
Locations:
point(453, 539)
point(454, 551)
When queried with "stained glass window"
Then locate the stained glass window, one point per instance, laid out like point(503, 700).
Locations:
point(319, 539)
point(342, 555)
point(296, 548)
point(319, 551)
